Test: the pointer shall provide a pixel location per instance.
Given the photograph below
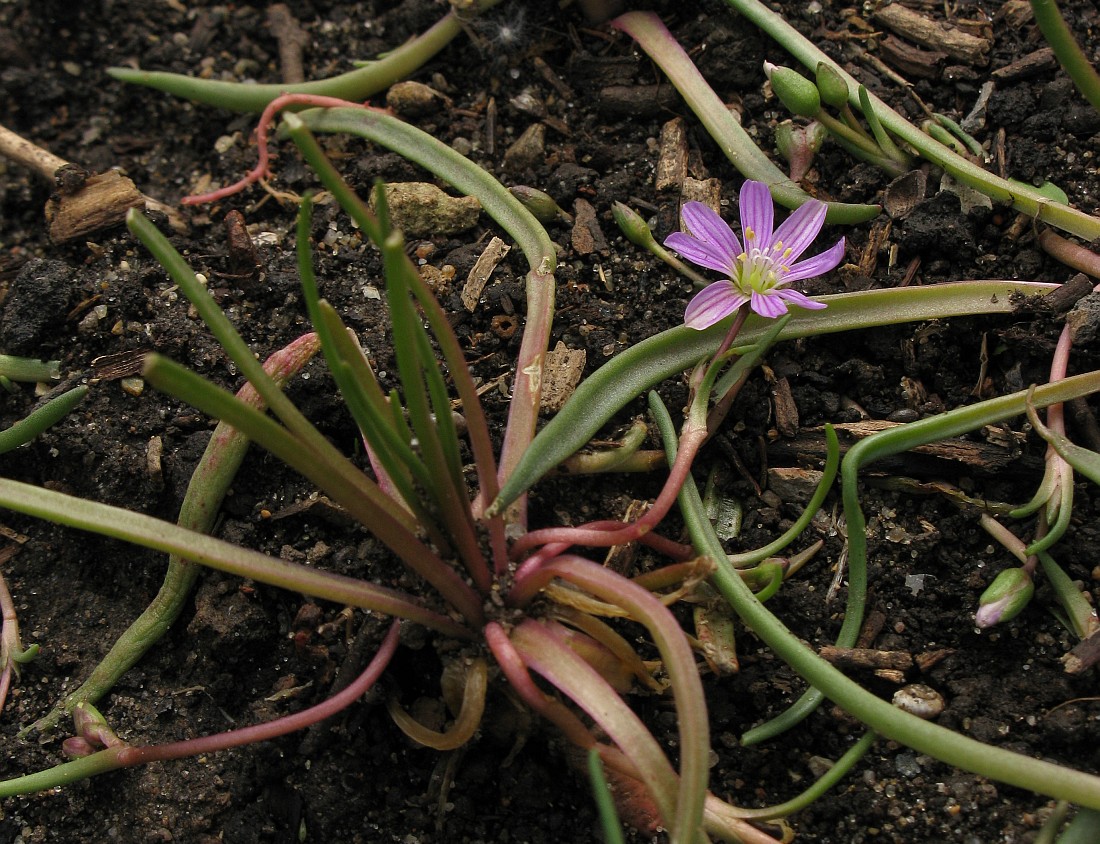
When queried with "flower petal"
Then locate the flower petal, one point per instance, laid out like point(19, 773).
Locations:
point(699, 252)
point(702, 223)
point(818, 264)
point(712, 303)
point(799, 230)
point(757, 214)
point(768, 305)
point(800, 299)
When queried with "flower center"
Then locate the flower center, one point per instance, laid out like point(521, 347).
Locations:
point(761, 270)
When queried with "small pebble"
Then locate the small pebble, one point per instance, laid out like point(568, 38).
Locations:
point(133, 386)
point(920, 700)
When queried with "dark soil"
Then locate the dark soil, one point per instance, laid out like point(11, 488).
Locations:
point(244, 652)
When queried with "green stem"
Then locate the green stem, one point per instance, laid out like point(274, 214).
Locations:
point(1066, 49)
point(510, 214)
point(605, 802)
point(888, 721)
point(36, 422)
point(895, 441)
point(669, 353)
point(201, 504)
point(832, 462)
point(1022, 197)
point(159, 535)
point(354, 85)
point(29, 369)
point(831, 777)
point(655, 39)
point(447, 164)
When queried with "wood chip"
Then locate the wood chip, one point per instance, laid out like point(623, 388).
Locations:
point(792, 484)
point(120, 365)
point(927, 660)
point(560, 375)
point(933, 34)
point(866, 658)
point(672, 163)
point(707, 191)
point(1039, 61)
point(102, 202)
point(910, 60)
point(981, 457)
point(637, 100)
point(587, 236)
point(786, 411)
point(528, 150)
point(1085, 655)
point(481, 271)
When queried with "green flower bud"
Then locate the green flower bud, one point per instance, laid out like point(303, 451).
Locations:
point(632, 225)
point(794, 90)
point(1007, 595)
point(540, 204)
point(831, 86)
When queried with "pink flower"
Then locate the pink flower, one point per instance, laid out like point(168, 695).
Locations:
point(759, 273)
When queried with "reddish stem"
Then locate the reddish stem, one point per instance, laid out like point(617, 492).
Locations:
point(690, 441)
point(262, 169)
point(130, 756)
point(515, 669)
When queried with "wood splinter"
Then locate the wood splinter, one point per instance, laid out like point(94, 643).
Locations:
point(82, 203)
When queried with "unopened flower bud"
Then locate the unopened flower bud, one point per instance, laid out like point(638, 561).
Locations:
point(798, 144)
point(539, 203)
point(632, 225)
point(831, 86)
point(794, 90)
point(92, 727)
point(1007, 595)
point(75, 747)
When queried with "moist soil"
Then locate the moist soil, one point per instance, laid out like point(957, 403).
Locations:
point(243, 652)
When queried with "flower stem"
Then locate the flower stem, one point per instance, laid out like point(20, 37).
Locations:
point(1022, 197)
point(890, 722)
point(354, 85)
point(895, 441)
point(655, 39)
point(669, 353)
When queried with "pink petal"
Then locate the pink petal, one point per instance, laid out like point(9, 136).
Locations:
point(799, 230)
point(800, 299)
point(703, 224)
point(768, 305)
point(757, 214)
point(699, 252)
point(818, 264)
point(712, 303)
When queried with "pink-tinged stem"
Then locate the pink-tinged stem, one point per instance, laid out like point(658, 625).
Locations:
point(1080, 258)
point(661, 544)
point(551, 657)
point(679, 662)
point(272, 729)
point(262, 168)
point(691, 440)
point(523, 410)
point(9, 640)
point(514, 668)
